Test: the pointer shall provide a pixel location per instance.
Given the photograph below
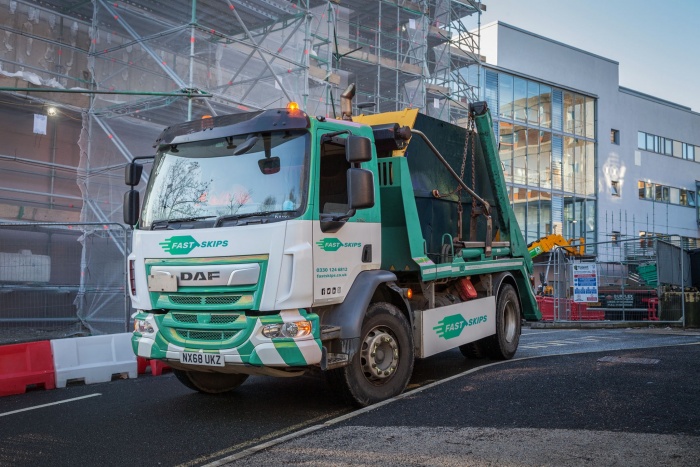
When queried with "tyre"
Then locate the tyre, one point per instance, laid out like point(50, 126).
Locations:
point(504, 344)
point(210, 383)
point(382, 366)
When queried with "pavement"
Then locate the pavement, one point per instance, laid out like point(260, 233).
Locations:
point(637, 407)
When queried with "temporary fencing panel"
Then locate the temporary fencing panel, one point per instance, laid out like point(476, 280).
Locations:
point(638, 279)
point(62, 280)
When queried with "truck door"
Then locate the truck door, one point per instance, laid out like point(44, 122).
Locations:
point(341, 249)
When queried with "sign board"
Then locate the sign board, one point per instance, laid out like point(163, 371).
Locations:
point(450, 326)
point(585, 282)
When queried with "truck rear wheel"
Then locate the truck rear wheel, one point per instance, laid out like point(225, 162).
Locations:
point(210, 383)
point(383, 365)
point(504, 344)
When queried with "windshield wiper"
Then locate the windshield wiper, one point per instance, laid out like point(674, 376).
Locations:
point(166, 222)
point(231, 217)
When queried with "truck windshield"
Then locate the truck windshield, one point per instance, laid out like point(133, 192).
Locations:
point(212, 182)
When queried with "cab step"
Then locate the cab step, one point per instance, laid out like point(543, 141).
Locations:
point(329, 332)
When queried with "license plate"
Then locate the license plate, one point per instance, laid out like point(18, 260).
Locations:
point(201, 358)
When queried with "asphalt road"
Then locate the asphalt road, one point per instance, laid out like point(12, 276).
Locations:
point(159, 421)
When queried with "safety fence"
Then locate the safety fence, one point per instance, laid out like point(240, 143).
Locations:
point(62, 280)
point(636, 279)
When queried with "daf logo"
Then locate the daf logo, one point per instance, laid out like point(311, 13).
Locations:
point(199, 276)
point(219, 275)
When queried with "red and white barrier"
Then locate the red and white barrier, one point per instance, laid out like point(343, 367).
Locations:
point(157, 367)
point(94, 359)
point(24, 365)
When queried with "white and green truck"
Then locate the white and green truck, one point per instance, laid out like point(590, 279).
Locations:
point(277, 243)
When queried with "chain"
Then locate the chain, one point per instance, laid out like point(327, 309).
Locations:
point(472, 132)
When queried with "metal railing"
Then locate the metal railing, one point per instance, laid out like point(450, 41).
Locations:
point(637, 279)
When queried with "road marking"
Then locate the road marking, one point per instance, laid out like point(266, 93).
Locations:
point(538, 333)
point(48, 405)
point(562, 342)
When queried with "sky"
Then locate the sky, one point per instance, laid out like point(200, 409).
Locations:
point(657, 44)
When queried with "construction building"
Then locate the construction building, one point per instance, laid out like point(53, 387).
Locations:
point(86, 86)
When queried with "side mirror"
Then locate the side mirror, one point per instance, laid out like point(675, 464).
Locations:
point(358, 149)
point(132, 174)
point(131, 207)
point(360, 188)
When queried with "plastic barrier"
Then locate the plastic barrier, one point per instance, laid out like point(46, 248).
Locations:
point(579, 311)
point(23, 365)
point(546, 305)
point(94, 359)
point(157, 367)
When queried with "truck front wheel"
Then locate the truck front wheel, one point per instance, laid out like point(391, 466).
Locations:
point(504, 344)
point(210, 383)
point(383, 365)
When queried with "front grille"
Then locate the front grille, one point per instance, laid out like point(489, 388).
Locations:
point(185, 317)
point(222, 300)
point(186, 299)
point(204, 299)
point(223, 319)
point(205, 335)
point(193, 318)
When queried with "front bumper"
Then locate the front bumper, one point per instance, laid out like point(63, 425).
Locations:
point(240, 343)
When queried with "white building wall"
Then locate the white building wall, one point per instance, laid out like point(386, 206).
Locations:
point(639, 113)
point(522, 52)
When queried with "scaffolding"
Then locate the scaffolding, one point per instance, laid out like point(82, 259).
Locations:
point(119, 72)
point(129, 69)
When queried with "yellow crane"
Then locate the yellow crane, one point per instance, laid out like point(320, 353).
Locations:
point(549, 243)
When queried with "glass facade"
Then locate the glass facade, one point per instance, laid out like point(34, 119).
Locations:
point(547, 147)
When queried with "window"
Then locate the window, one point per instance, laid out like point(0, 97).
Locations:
point(658, 144)
point(688, 151)
point(615, 136)
point(677, 149)
point(640, 187)
point(333, 194)
point(615, 188)
point(649, 190)
point(661, 193)
point(545, 106)
point(520, 99)
point(674, 196)
point(533, 105)
point(568, 112)
point(505, 95)
point(668, 146)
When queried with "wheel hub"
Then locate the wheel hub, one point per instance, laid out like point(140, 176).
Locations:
point(380, 354)
point(510, 315)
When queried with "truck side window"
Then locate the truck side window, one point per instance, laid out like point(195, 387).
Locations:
point(333, 190)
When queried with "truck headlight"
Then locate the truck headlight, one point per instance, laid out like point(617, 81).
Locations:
point(143, 326)
point(296, 329)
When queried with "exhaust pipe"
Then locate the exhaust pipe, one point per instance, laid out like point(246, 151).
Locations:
point(346, 103)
